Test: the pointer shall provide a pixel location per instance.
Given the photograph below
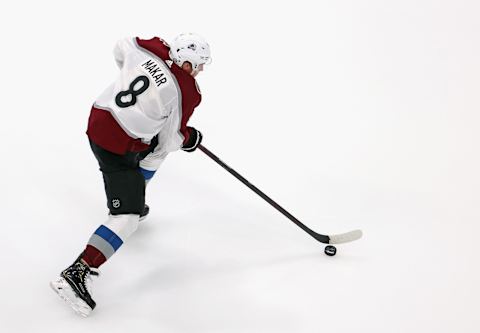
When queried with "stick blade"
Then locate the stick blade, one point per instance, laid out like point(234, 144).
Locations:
point(346, 237)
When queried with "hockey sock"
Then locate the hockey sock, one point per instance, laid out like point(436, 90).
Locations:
point(108, 238)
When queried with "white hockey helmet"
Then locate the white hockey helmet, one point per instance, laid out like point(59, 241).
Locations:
point(192, 48)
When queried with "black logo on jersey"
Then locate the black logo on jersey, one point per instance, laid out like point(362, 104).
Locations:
point(119, 99)
point(155, 71)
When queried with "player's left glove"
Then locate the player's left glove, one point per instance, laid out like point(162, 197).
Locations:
point(194, 139)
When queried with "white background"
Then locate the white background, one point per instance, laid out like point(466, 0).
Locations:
point(351, 114)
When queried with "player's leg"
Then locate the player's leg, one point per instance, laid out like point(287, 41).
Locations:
point(126, 200)
point(148, 166)
point(125, 190)
point(147, 175)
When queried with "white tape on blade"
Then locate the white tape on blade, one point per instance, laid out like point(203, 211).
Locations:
point(346, 237)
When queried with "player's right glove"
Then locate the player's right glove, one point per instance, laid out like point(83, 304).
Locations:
point(194, 139)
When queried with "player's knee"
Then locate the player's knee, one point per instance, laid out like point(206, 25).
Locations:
point(123, 225)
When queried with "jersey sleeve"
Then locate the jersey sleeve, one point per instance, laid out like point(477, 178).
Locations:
point(121, 49)
point(188, 107)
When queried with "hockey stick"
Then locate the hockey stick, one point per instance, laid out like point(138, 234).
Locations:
point(326, 239)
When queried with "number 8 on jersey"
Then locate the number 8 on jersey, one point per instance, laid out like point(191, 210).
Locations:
point(131, 91)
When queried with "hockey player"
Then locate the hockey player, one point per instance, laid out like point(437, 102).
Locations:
point(133, 125)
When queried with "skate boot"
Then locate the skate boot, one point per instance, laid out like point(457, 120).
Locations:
point(145, 212)
point(73, 286)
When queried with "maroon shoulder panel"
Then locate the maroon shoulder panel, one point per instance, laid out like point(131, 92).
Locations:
point(155, 45)
point(191, 97)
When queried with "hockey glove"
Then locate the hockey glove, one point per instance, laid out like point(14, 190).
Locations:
point(194, 140)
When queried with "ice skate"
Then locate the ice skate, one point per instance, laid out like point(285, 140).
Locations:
point(73, 286)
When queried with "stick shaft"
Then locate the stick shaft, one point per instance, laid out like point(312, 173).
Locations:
point(265, 197)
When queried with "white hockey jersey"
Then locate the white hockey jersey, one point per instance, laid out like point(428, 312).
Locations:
point(145, 99)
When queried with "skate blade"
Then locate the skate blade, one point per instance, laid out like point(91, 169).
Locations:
point(63, 289)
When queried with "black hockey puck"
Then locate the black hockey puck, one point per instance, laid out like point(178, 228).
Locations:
point(330, 250)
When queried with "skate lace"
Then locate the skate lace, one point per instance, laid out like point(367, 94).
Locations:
point(84, 275)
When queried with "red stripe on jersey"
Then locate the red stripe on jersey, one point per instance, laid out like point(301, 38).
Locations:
point(191, 97)
point(104, 131)
point(93, 257)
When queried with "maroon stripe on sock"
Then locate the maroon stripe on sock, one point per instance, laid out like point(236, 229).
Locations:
point(93, 257)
